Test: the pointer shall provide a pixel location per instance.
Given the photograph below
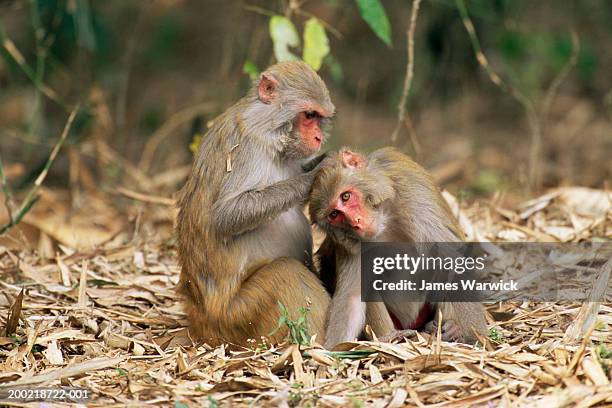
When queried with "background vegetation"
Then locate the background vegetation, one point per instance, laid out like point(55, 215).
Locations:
point(150, 75)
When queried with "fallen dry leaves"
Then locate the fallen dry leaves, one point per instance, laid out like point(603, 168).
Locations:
point(107, 318)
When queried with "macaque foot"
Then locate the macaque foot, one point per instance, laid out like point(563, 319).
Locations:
point(397, 334)
point(451, 331)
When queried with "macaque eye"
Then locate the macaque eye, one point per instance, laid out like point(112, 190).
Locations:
point(311, 114)
point(345, 196)
point(334, 214)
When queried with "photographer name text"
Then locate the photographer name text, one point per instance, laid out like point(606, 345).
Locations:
point(464, 285)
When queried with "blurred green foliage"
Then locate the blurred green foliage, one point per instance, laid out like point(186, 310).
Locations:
point(150, 60)
point(94, 34)
point(161, 46)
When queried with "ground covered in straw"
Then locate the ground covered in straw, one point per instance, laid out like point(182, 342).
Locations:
point(107, 319)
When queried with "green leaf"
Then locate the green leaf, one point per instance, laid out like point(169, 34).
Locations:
point(316, 44)
point(351, 354)
point(284, 35)
point(250, 69)
point(374, 14)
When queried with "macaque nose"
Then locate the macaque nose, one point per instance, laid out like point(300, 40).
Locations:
point(356, 222)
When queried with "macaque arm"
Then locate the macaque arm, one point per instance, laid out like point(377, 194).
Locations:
point(249, 209)
point(347, 313)
point(313, 163)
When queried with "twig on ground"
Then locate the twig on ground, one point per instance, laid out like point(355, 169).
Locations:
point(134, 195)
point(8, 196)
point(107, 154)
point(402, 117)
point(587, 316)
point(32, 195)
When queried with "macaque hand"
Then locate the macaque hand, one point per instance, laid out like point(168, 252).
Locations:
point(313, 165)
point(451, 331)
point(397, 334)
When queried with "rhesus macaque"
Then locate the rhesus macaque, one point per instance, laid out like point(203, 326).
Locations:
point(243, 242)
point(385, 197)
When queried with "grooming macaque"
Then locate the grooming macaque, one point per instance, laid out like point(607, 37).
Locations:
point(243, 241)
point(385, 197)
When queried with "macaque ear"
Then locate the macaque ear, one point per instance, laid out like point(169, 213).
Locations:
point(267, 88)
point(352, 160)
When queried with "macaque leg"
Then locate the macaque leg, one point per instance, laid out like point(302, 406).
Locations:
point(346, 320)
point(378, 318)
point(254, 311)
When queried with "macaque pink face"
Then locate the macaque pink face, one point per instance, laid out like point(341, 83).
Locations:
point(309, 126)
point(307, 123)
point(349, 211)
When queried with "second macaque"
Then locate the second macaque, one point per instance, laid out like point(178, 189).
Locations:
point(384, 197)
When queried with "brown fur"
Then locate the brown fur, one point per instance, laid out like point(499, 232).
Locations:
point(243, 243)
point(407, 207)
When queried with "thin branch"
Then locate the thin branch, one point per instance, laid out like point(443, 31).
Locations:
point(401, 115)
point(167, 128)
point(292, 6)
point(561, 76)
point(32, 195)
point(333, 30)
point(258, 10)
point(530, 110)
point(124, 76)
point(265, 12)
point(41, 56)
point(19, 59)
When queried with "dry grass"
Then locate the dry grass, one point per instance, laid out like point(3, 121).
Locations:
point(108, 319)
